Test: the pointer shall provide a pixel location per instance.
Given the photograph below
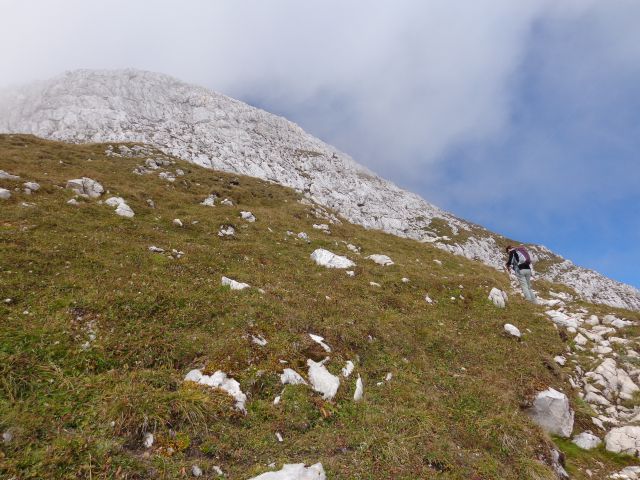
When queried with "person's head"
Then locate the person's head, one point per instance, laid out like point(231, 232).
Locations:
point(509, 248)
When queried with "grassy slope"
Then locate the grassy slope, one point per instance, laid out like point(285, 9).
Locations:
point(451, 411)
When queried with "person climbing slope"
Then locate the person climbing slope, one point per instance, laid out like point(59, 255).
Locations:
point(520, 261)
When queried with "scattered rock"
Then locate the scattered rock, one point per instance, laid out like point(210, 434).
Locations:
point(30, 187)
point(7, 436)
point(279, 437)
point(259, 340)
point(227, 202)
point(322, 226)
point(359, 393)
point(322, 381)
point(86, 187)
point(155, 249)
point(328, 259)
point(614, 380)
point(295, 471)
point(5, 194)
point(248, 216)
point(226, 231)
point(196, 471)
point(320, 341)
point(73, 201)
point(177, 222)
point(586, 441)
point(498, 297)
point(381, 259)
point(350, 273)
point(512, 330)
point(291, 377)
point(151, 203)
point(427, 299)
point(168, 176)
point(404, 280)
point(220, 380)
point(347, 369)
point(304, 236)
point(375, 284)
point(560, 360)
point(628, 473)
point(551, 411)
point(624, 440)
point(7, 176)
point(233, 284)
point(557, 463)
point(148, 440)
point(210, 201)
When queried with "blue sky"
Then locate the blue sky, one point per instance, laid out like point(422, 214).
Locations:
point(520, 116)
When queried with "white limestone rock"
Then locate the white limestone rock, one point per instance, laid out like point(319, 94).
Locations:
point(226, 231)
point(7, 176)
point(248, 216)
point(512, 330)
point(85, 187)
point(148, 440)
point(380, 259)
point(498, 297)
point(220, 380)
point(31, 186)
point(295, 471)
point(562, 319)
point(615, 381)
point(322, 381)
point(623, 440)
point(560, 360)
point(359, 392)
point(210, 201)
point(177, 222)
point(155, 249)
point(320, 341)
point(226, 202)
point(329, 259)
point(290, 377)
point(233, 284)
point(5, 194)
point(551, 411)
point(627, 473)
point(586, 441)
point(347, 369)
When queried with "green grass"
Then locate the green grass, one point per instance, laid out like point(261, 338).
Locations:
point(451, 411)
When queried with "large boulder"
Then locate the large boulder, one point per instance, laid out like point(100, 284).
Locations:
point(624, 440)
point(551, 411)
point(85, 186)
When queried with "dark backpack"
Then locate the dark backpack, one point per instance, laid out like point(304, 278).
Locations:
point(521, 256)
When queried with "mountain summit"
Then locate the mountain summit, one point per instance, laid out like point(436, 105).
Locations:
point(215, 131)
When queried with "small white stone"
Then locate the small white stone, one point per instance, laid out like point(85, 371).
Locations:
point(560, 360)
point(279, 437)
point(586, 441)
point(248, 216)
point(5, 194)
point(155, 249)
point(234, 285)
point(210, 201)
point(350, 273)
point(383, 260)
point(148, 440)
point(358, 394)
point(405, 280)
point(320, 341)
point(196, 471)
point(512, 330)
point(177, 222)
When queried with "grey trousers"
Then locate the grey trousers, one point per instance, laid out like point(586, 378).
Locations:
point(524, 277)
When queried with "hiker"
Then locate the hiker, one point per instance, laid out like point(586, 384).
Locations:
point(520, 261)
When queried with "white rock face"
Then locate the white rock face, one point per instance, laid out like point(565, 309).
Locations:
point(322, 381)
point(220, 380)
point(85, 187)
point(291, 377)
point(329, 259)
point(215, 131)
point(512, 330)
point(234, 285)
point(586, 441)
point(623, 440)
point(295, 471)
point(498, 297)
point(552, 413)
point(381, 259)
point(5, 194)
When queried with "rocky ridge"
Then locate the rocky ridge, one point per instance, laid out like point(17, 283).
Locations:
point(212, 130)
